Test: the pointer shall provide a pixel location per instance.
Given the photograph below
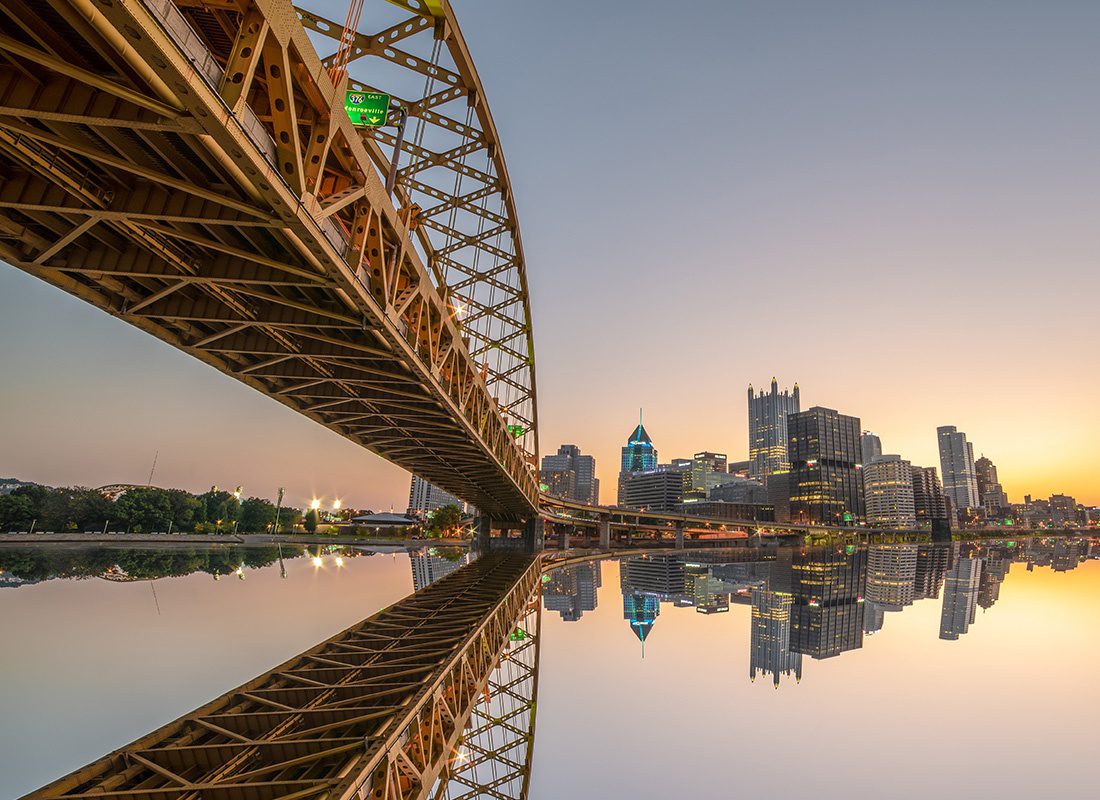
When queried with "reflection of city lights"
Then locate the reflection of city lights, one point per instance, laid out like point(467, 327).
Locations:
point(315, 504)
point(339, 561)
point(316, 561)
point(240, 572)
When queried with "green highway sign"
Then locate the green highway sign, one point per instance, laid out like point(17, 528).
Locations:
point(367, 108)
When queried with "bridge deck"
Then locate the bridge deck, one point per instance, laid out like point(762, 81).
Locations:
point(375, 711)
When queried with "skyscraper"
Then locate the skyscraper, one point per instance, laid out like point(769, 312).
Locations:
point(888, 492)
point(824, 481)
point(425, 497)
point(571, 475)
point(768, 430)
point(990, 494)
point(870, 445)
point(707, 469)
point(929, 500)
point(960, 482)
point(660, 489)
point(639, 455)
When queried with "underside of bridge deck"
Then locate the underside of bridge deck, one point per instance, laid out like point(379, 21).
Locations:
point(390, 708)
point(188, 166)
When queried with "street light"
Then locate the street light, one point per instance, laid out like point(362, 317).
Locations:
point(315, 504)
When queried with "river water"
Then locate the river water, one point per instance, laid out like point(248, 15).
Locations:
point(899, 671)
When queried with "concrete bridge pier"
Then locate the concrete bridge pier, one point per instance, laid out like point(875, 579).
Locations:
point(531, 539)
point(679, 536)
point(605, 531)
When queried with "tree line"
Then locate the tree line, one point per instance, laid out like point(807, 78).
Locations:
point(141, 510)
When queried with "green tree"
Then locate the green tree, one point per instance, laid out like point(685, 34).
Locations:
point(257, 515)
point(445, 521)
point(17, 511)
point(219, 510)
point(313, 518)
point(76, 508)
point(185, 508)
point(288, 518)
point(145, 509)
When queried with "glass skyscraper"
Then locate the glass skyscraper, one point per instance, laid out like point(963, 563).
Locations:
point(824, 482)
point(639, 455)
point(960, 480)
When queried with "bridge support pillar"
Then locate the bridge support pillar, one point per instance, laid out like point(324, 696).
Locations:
point(679, 536)
point(484, 527)
point(534, 534)
point(605, 531)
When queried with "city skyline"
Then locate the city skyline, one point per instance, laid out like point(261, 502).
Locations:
point(947, 189)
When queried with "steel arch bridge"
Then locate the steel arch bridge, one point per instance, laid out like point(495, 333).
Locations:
point(188, 166)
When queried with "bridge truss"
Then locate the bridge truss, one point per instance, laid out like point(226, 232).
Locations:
point(431, 698)
point(188, 166)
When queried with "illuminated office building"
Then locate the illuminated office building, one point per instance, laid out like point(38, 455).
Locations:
point(658, 490)
point(870, 446)
point(768, 430)
point(639, 455)
point(707, 469)
point(929, 500)
point(990, 493)
point(960, 481)
point(425, 497)
point(824, 480)
point(888, 493)
point(571, 475)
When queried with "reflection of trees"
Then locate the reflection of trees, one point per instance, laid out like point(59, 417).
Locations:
point(33, 564)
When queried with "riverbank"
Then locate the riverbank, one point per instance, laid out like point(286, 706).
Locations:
point(242, 539)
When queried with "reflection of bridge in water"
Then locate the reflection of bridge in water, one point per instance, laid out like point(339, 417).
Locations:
point(431, 697)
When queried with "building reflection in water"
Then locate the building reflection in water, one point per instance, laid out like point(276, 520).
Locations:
point(571, 590)
point(816, 602)
point(770, 650)
point(433, 563)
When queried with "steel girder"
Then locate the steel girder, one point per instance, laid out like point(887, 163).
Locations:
point(188, 167)
point(454, 173)
point(377, 711)
point(493, 758)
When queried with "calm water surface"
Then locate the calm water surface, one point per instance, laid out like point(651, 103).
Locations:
point(893, 671)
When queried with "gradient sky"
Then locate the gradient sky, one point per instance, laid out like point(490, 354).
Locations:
point(893, 204)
